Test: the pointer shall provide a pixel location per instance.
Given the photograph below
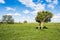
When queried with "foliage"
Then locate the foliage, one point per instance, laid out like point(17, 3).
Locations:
point(7, 19)
point(25, 21)
point(43, 16)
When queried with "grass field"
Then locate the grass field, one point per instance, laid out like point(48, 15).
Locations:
point(29, 32)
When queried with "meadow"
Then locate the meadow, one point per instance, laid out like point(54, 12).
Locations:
point(28, 31)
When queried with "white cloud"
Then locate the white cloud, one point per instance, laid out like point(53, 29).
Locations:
point(28, 19)
point(9, 8)
point(50, 6)
point(2, 1)
point(28, 3)
point(39, 7)
point(31, 4)
point(52, 3)
point(56, 18)
point(17, 14)
point(38, 1)
point(9, 14)
point(26, 11)
point(48, 0)
point(14, 14)
point(34, 12)
point(55, 2)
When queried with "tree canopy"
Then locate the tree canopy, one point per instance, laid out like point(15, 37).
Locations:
point(7, 19)
point(43, 16)
point(25, 21)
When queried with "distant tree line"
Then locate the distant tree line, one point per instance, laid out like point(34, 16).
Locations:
point(8, 19)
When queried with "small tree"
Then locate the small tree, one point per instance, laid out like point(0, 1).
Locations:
point(43, 16)
point(25, 21)
point(7, 19)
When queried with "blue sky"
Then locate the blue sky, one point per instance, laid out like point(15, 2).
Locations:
point(27, 9)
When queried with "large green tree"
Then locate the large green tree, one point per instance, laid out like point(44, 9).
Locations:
point(7, 19)
point(42, 17)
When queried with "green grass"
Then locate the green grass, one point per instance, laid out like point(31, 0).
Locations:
point(29, 32)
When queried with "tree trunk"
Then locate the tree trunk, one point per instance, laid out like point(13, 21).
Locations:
point(42, 25)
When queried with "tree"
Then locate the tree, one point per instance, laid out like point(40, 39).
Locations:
point(25, 21)
point(42, 17)
point(7, 19)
